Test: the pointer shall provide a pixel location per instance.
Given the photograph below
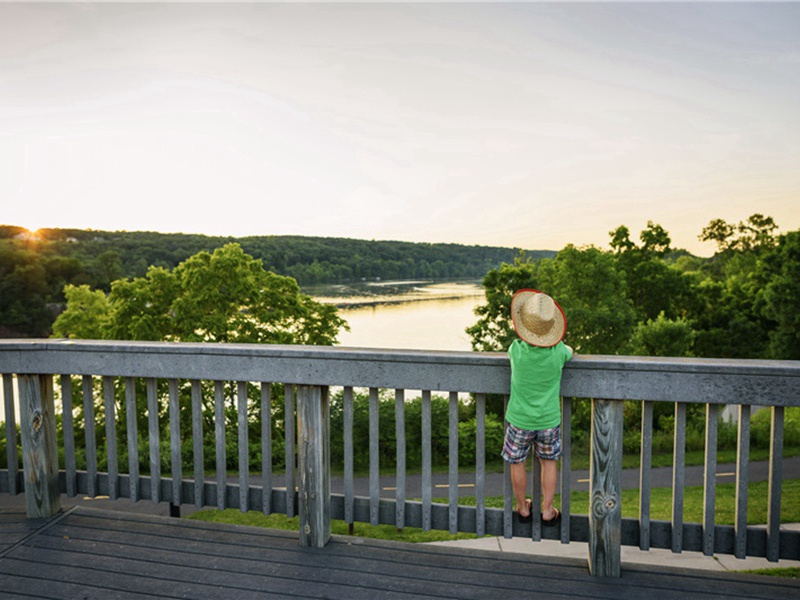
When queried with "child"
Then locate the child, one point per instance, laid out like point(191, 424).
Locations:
point(534, 408)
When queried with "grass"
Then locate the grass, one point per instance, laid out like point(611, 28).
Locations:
point(660, 509)
point(279, 521)
point(793, 572)
point(693, 458)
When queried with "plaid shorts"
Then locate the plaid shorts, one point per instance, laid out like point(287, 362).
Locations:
point(518, 442)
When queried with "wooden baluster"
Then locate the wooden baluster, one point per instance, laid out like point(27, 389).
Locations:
point(11, 433)
point(374, 458)
point(314, 473)
point(89, 436)
point(605, 475)
point(266, 448)
point(775, 478)
point(742, 482)
point(710, 478)
point(453, 463)
point(480, 464)
point(111, 437)
point(244, 450)
point(426, 460)
point(155, 440)
point(197, 444)
point(678, 476)
point(68, 424)
point(508, 492)
point(176, 498)
point(400, 436)
point(566, 468)
point(349, 515)
point(289, 423)
point(645, 464)
point(39, 448)
point(220, 454)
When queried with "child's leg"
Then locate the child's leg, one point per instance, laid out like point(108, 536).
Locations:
point(549, 470)
point(516, 449)
point(519, 484)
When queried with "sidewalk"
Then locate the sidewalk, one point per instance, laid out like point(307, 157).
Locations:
point(630, 555)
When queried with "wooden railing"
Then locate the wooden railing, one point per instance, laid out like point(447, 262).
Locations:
point(110, 373)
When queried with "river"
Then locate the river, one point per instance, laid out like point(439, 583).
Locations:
point(421, 315)
point(417, 315)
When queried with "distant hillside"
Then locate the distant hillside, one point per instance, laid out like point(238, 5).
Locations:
point(35, 267)
point(307, 259)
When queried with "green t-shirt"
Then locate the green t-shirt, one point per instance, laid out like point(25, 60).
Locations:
point(535, 402)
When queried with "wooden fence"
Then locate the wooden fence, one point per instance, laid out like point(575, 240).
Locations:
point(104, 375)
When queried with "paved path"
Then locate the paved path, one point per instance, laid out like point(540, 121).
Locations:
point(660, 477)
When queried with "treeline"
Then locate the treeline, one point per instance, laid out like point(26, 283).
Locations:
point(35, 267)
point(644, 298)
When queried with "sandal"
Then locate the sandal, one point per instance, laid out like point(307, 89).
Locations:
point(528, 518)
point(554, 521)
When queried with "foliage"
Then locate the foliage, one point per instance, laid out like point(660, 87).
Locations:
point(756, 232)
point(592, 292)
point(652, 300)
point(88, 314)
point(662, 337)
point(35, 267)
point(779, 276)
point(493, 331)
point(226, 296)
point(412, 412)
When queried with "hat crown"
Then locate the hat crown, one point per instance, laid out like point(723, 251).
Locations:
point(538, 314)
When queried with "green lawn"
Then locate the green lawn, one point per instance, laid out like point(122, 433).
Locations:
point(660, 510)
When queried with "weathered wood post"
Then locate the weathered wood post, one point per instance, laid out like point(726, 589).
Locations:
point(314, 465)
point(605, 479)
point(39, 448)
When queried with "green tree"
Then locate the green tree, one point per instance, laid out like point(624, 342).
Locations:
point(224, 296)
point(757, 232)
point(662, 337)
point(653, 285)
point(779, 298)
point(493, 332)
point(593, 293)
point(87, 315)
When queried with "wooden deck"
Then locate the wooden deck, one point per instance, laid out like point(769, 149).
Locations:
point(89, 553)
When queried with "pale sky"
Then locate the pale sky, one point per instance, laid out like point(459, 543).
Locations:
point(509, 124)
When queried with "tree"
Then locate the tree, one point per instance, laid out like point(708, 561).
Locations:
point(655, 240)
point(779, 298)
point(226, 296)
point(653, 285)
point(757, 232)
point(86, 316)
point(493, 332)
point(662, 337)
point(592, 291)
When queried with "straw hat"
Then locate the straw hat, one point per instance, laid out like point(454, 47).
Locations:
point(537, 318)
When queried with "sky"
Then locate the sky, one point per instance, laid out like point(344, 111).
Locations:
point(530, 125)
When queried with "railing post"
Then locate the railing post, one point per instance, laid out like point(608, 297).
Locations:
point(39, 449)
point(605, 489)
point(314, 473)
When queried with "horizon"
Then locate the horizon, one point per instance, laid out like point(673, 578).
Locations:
point(605, 247)
point(512, 125)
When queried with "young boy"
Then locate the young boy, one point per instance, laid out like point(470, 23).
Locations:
point(534, 408)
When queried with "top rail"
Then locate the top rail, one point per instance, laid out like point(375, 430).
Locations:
point(708, 381)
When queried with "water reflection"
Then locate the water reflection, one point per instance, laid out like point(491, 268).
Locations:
point(405, 314)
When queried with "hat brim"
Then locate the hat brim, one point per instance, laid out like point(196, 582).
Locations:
point(552, 337)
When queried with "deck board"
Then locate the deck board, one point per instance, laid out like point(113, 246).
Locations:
point(90, 553)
